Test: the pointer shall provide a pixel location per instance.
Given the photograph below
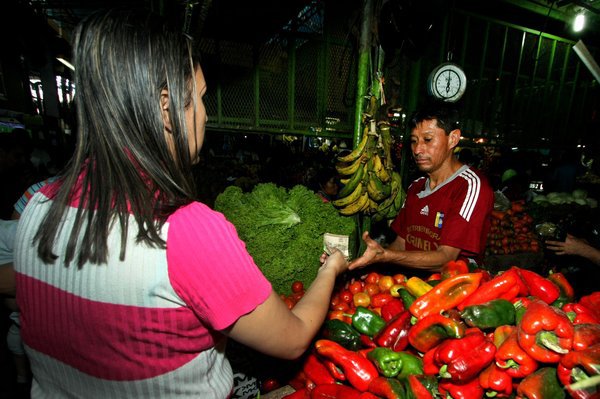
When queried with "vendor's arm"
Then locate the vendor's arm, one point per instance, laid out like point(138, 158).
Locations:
point(574, 246)
point(395, 253)
point(272, 329)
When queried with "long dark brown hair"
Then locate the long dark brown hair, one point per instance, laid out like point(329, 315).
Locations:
point(122, 164)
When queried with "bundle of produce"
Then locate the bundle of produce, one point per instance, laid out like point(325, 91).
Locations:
point(283, 229)
point(371, 186)
point(458, 334)
point(512, 231)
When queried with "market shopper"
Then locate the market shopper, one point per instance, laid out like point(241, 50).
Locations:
point(446, 212)
point(127, 287)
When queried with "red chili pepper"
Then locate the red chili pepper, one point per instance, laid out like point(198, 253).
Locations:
point(332, 391)
point(468, 390)
point(462, 359)
point(389, 388)
point(545, 333)
point(507, 285)
point(579, 313)
point(585, 335)
point(453, 268)
point(540, 287)
point(395, 333)
point(513, 359)
point(433, 329)
point(417, 388)
point(334, 370)
point(391, 308)
point(496, 382)
point(359, 371)
point(446, 295)
point(580, 366)
point(317, 371)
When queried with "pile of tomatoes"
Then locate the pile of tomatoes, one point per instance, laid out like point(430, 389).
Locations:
point(372, 291)
point(511, 232)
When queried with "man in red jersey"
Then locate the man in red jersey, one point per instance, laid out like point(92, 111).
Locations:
point(446, 212)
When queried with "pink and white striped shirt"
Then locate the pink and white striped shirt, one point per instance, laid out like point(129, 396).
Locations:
point(145, 327)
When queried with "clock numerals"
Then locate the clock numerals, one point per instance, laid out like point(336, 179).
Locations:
point(447, 82)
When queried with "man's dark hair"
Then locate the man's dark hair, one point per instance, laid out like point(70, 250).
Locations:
point(446, 115)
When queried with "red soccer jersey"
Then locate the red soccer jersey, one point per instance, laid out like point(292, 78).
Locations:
point(456, 213)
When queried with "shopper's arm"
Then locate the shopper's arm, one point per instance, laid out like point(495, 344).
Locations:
point(7, 279)
point(273, 329)
point(424, 260)
point(574, 246)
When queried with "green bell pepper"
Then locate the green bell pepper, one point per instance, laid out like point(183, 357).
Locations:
point(366, 321)
point(387, 361)
point(411, 365)
point(342, 333)
point(492, 314)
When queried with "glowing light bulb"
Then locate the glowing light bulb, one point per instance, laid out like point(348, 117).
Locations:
point(579, 22)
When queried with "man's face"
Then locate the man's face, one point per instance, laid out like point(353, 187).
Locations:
point(430, 145)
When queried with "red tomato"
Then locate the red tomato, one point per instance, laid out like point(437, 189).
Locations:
point(298, 295)
point(297, 286)
point(343, 306)
point(355, 287)
point(346, 296)
point(361, 299)
point(372, 278)
point(335, 299)
point(399, 278)
point(372, 289)
point(289, 302)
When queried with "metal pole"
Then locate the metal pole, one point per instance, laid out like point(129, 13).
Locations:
point(364, 50)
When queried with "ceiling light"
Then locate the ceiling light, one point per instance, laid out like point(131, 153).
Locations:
point(579, 23)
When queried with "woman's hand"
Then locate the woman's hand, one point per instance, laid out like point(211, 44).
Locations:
point(571, 246)
point(335, 261)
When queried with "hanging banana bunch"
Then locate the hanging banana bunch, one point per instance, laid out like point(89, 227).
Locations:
point(371, 185)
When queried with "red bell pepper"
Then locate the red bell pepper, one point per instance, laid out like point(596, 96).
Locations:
point(579, 313)
point(507, 285)
point(579, 367)
point(389, 388)
point(446, 295)
point(391, 309)
point(496, 382)
point(300, 381)
point(585, 335)
point(545, 332)
point(567, 293)
point(332, 391)
point(431, 330)
point(513, 359)
point(501, 334)
point(334, 370)
point(462, 359)
point(316, 371)
point(359, 370)
point(454, 267)
point(395, 333)
point(539, 286)
point(468, 390)
point(380, 299)
point(542, 384)
point(592, 302)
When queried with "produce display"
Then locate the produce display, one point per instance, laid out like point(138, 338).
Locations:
point(512, 231)
point(283, 229)
point(458, 334)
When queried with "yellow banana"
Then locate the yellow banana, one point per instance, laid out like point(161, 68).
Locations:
point(376, 189)
point(352, 182)
point(352, 156)
point(384, 175)
point(350, 198)
point(352, 168)
point(356, 206)
point(344, 181)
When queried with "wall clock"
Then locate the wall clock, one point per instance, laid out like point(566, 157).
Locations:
point(447, 82)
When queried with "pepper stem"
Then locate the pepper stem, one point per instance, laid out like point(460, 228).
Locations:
point(586, 383)
point(510, 363)
point(550, 341)
point(444, 372)
point(491, 394)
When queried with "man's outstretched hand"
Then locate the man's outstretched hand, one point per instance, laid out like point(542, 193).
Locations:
point(373, 253)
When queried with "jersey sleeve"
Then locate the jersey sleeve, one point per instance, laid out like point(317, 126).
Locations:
point(210, 268)
point(469, 214)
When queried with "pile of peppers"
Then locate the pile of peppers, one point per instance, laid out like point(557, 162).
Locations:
point(461, 334)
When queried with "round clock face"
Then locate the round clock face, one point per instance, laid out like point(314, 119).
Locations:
point(447, 82)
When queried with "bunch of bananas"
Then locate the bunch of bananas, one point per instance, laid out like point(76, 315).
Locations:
point(371, 185)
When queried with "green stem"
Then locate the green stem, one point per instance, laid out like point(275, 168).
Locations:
point(586, 383)
point(549, 340)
